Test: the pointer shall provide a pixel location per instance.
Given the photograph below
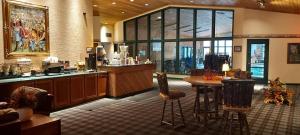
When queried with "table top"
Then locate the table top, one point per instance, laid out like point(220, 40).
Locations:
point(38, 120)
point(198, 80)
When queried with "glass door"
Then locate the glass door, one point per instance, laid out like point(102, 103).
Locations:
point(258, 59)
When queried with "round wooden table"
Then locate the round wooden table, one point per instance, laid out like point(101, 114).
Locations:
point(199, 83)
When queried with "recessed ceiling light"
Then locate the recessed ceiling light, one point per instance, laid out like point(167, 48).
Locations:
point(95, 5)
point(114, 3)
point(192, 1)
point(159, 17)
point(146, 4)
point(123, 12)
point(132, 0)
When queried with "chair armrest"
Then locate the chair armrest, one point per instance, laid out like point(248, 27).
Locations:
point(45, 105)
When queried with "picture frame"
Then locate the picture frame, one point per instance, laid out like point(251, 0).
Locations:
point(293, 53)
point(237, 48)
point(25, 29)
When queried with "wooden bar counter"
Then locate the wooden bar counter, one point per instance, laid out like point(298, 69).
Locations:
point(129, 79)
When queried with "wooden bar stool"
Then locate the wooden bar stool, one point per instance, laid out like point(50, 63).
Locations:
point(169, 95)
point(237, 100)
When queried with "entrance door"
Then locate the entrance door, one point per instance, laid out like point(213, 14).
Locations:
point(258, 59)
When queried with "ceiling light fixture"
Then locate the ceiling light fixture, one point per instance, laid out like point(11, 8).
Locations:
point(95, 5)
point(123, 12)
point(146, 4)
point(114, 3)
point(192, 1)
point(261, 3)
point(132, 0)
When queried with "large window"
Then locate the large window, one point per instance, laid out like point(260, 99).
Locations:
point(186, 27)
point(223, 47)
point(130, 30)
point(143, 28)
point(177, 39)
point(202, 48)
point(170, 23)
point(204, 23)
point(170, 57)
point(185, 57)
point(155, 55)
point(224, 23)
point(155, 26)
point(142, 51)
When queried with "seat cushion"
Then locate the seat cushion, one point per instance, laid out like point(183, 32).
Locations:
point(173, 94)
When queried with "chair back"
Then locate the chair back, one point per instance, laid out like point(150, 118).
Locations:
point(238, 93)
point(163, 83)
point(197, 72)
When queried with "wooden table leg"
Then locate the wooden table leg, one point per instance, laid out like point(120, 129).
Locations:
point(216, 102)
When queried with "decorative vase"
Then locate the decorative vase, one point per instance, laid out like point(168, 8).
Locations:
point(25, 113)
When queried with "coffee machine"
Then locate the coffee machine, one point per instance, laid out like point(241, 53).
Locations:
point(90, 61)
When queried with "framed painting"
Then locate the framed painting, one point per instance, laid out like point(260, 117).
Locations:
point(25, 29)
point(293, 53)
point(237, 48)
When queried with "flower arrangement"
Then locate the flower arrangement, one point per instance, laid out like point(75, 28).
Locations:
point(278, 94)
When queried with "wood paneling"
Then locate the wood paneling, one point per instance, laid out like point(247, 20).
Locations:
point(111, 13)
point(77, 89)
point(61, 92)
point(102, 84)
point(45, 85)
point(124, 80)
point(90, 85)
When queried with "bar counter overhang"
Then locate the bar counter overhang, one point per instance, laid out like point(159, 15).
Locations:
point(129, 79)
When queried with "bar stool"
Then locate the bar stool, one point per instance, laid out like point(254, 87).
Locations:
point(237, 100)
point(169, 95)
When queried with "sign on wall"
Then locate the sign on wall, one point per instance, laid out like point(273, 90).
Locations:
point(25, 29)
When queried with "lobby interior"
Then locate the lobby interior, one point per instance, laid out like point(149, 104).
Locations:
point(122, 92)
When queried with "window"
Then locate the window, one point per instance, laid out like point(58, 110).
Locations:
point(130, 30)
point(204, 24)
point(155, 25)
point(131, 49)
point(224, 23)
point(223, 47)
point(170, 57)
point(142, 51)
point(185, 57)
point(155, 54)
point(202, 49)
point(170, 23)
point(186, 23)
point(143, 28)
point(177, 39)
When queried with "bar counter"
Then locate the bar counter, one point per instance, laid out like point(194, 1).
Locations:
point(128, 79)
point(68, 89)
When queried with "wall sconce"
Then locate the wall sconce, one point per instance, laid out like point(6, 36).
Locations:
point(261, 3)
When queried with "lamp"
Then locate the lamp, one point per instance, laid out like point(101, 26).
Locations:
point(225, 68)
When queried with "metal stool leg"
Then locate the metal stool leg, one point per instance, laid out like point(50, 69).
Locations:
point(181, 114)
point(172, 109)
point(163, 113)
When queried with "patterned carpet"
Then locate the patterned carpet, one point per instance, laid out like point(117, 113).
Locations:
point(140, 115)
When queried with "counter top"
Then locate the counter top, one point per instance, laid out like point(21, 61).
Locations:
point(127, 68)
point(12, 80)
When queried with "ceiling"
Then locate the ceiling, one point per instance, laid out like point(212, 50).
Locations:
point(112, 11)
